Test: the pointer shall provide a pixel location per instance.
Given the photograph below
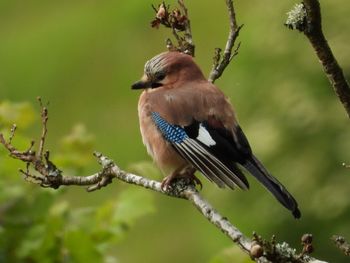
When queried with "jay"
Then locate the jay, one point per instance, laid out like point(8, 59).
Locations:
point(187, 124)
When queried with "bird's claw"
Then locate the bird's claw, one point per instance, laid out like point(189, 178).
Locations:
point(169, 180)
point(196, 181)
point(166, 183)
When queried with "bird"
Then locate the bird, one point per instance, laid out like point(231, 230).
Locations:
point(187, 124)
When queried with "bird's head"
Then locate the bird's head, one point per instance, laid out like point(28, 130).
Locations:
point(168, 69)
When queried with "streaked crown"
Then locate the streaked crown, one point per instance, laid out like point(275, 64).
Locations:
point(173, 62)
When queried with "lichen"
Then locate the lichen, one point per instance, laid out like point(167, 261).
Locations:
point(297, 18)
point(286, 250)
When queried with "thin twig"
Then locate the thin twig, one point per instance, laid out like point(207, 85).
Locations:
point(219, 66)
point(307, 18)
point(12, 132)
point(179, 23)
point(44, 119)
point(190, 47)
point(177, 37)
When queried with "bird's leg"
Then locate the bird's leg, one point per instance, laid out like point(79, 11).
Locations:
point(170, 178)
point(185, 172)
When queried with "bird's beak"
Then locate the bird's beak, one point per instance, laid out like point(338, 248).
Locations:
point(144, 83)
point(141, 85)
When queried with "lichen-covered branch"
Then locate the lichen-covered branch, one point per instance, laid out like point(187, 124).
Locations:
point(306, 17)
point(220, 63)
point(40, 170)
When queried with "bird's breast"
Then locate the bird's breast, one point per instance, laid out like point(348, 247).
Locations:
point(160, 150)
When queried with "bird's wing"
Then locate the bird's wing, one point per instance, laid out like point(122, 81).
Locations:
point(202, 127)
point(211, 139)
point(202, 146)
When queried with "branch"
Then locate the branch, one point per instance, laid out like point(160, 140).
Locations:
point(49, 176)
point(220, 65)
point(306, 17)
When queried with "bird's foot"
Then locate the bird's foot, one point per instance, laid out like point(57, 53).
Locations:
point(187, 176)
point(167, 181)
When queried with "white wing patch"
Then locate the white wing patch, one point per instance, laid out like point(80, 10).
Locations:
point(204, 136)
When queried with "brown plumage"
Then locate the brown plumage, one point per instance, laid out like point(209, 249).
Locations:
point(188, 124)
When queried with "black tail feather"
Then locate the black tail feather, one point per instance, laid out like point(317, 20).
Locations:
point(254, 166)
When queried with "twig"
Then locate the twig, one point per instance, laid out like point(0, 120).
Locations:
point(190, 47)
point(179, 23)
point(12, 133)
point(44, 119)
point(306, 17)
point(48, 175)
point(219, 66)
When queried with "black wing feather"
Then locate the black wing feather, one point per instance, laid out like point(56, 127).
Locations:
point(254, 166)
point(215, 152)
point(231, 150)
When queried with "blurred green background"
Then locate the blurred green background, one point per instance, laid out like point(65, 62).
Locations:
point(83, 55)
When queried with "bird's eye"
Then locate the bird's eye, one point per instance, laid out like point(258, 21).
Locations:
point(160, 76)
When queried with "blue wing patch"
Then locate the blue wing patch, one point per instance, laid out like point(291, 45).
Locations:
point(172, 133)
point(194, 144)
